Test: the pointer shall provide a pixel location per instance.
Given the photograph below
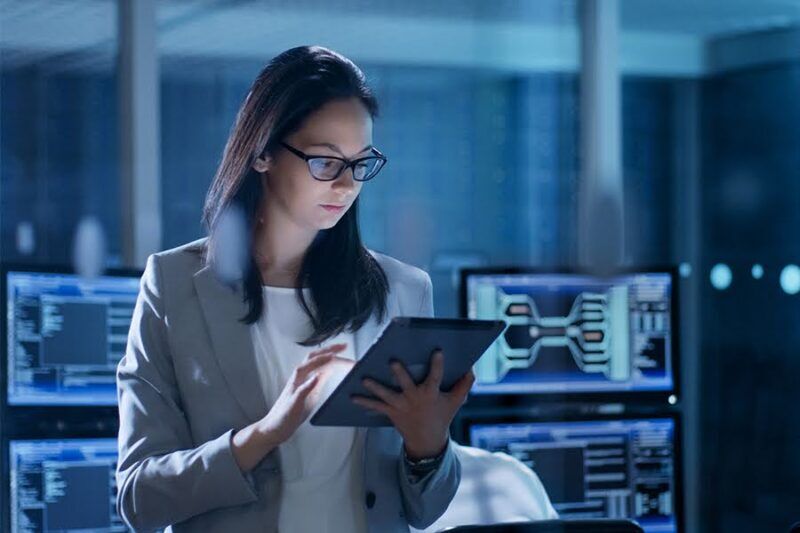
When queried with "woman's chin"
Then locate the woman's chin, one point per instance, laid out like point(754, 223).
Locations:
point(325, 224)
point(328, 223)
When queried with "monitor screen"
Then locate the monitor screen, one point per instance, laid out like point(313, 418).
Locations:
point(63, 485)
point(597, 469)
point(574, 333)
point(66, 335)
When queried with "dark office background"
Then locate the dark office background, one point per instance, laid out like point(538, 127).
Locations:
point(484, 171)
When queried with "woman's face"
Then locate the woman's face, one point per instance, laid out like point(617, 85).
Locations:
point(341, 128)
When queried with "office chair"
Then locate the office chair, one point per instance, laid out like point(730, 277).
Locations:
point(554, 526)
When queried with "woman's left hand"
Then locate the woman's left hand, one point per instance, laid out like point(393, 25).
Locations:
point(421, 413)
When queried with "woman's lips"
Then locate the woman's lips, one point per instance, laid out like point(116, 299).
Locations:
point(333, 208)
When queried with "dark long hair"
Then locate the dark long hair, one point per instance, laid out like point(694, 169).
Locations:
point(346, 283)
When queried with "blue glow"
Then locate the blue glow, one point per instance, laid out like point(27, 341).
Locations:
point(757, 271)
point(721, 276)
point(790, 279)
point(685, 270)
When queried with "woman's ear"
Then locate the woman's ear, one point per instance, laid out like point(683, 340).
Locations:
point(262, 164)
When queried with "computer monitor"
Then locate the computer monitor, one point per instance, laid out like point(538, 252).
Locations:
point(602, 468)
point(574, 333)
point(63, 485)
point(65, 335)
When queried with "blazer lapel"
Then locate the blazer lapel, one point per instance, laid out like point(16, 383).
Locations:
point(231, 341)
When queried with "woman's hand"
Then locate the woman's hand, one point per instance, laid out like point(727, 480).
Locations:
point(421, 413)
point(296, 401)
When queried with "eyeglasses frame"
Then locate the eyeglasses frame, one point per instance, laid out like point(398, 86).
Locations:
point(351, 164)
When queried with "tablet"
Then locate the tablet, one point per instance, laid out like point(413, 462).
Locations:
point(410, 340)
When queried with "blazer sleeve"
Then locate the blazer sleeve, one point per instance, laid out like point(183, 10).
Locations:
point(427, 498)
point(162, 476)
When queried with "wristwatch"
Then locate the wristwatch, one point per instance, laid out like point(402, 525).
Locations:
point(425, 464)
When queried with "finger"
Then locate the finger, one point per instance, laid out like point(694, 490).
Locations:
point(307, 386)
point(338, 359)
point(335, 348)
point(434, 379)
point(460, 390)
point(403, 377)
point(321, 353)
point(301, 372)
point(315, 362)
point(373, 405)
point(388, 396)
point(343, 361)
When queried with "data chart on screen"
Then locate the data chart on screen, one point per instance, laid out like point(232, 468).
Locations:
point(574, 333)
point(63, 485)
point(597, 469)
point(65, 336)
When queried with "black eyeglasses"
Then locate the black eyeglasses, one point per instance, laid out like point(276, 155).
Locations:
point(328, 168)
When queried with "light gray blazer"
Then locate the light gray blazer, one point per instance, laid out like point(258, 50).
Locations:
point(189, 378)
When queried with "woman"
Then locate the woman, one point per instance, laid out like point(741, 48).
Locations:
point(222, 372)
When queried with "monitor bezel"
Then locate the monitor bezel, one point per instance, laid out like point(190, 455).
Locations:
point(487, 417)
point(642, 396)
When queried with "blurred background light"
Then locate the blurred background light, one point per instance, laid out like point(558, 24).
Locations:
point(790, 279)
point(721, 276)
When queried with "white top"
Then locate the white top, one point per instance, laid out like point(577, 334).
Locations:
point(322, 467)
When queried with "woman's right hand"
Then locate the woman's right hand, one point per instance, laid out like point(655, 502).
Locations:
point(297, 400)
point(295, 403)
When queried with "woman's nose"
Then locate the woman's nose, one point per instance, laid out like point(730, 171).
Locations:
point(345, 180)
